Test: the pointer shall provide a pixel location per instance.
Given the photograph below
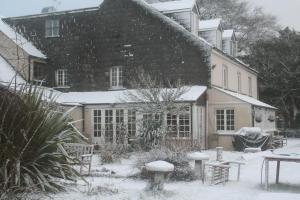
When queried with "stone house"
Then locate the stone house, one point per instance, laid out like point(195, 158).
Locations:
point(92, 54)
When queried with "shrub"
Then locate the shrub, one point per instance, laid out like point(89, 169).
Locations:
point(182, 171)
point(31, 137)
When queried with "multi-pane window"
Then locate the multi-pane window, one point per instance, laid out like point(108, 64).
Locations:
point(184, 123)
point(97, 123)
point(225, 76)
point(52, 28)
point(38, 71)
point(172, 125)
point(180, 125)
point(120, 129)
point(225, 120)
point(239, 77)
point(61, 77)
point(108, 124)
point(250, 86)
point(131, 125)
point(116, 77)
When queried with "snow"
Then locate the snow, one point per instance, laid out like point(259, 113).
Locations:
point(249, 130)
point(174, 5)
point(228, 34)
point(120, 96)
point(159, 166)
point(8, 75)
point(198, 156)
point(246, 99)
point(195, 40)
point(20, 40)
point(248, 188)
point(209, 24)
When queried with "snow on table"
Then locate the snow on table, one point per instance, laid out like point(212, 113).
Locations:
point(159, 166)
point(198, 156)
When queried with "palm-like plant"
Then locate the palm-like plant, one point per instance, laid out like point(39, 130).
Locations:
point(31, 137)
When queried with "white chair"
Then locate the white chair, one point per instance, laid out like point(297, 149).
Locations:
point(82, 152)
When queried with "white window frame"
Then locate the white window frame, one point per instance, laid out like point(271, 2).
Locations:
point(97, 123)
point(131, 123)
point(109, 125)
point(225, 120)
point(116, 77)
point(180, 130)
point(61, 78)
point(52, 28)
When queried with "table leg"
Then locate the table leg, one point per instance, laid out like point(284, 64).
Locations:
point(239, 172)
point(277, 171)
point(266, 174)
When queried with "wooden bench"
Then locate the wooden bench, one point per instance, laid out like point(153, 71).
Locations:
point(82, 152)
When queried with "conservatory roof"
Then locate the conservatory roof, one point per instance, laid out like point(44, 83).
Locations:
point(18, 39)
point(174, 5)
point(192, 94)
point(247, 99)
point(8, 75)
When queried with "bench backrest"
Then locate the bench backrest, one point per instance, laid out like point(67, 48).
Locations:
point(77, 149)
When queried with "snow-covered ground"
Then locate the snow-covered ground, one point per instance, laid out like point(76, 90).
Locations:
point(111, 181)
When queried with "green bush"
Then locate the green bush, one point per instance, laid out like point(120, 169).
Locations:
point(31, 137)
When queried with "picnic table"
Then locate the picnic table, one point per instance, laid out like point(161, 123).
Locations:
point(278, 158)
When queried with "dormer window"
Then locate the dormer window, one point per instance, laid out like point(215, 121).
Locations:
point(61, 78)
point(52, 28)
point(116, 77)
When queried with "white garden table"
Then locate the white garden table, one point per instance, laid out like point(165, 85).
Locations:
point(278, 158)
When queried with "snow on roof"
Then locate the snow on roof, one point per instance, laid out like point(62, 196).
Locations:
point(8, 75)
point(228, 33)
point(196, 41)
point(246, 99)
point(174, 5)
point(120, 96)
point(20, 40)
point(209, 24)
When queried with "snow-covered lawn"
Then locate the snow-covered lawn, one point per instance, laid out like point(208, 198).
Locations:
point(111, 181)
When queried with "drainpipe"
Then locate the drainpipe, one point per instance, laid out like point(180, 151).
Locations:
point(83, 118)
point(206, 123)
point(29, 68)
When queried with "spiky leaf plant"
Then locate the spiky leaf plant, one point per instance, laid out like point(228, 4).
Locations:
point(32, 134)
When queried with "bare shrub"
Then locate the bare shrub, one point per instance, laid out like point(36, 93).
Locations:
point(182, 171)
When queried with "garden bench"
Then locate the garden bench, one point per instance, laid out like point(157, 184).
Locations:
point(81, 152)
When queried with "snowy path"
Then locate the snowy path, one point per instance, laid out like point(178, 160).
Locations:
point(249, 188)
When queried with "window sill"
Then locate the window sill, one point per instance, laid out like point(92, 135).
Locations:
point(62, 87)
point(117, 88)
point(226, 133)
point(54, 36)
